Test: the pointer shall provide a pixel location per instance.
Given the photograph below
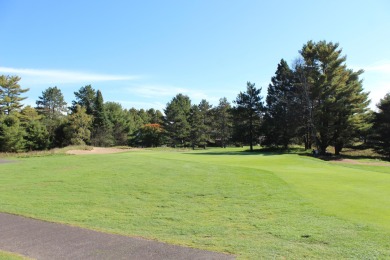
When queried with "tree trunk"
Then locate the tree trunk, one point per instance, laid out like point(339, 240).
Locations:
point(338, 147)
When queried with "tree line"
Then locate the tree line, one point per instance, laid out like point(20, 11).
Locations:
point(317, 101)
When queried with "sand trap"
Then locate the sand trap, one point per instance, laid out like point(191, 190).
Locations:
point(350, 161)
point(99, 150)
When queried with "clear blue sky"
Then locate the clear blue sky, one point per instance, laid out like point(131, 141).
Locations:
point(142, 53)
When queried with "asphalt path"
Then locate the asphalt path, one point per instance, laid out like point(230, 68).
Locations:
point(45, 240)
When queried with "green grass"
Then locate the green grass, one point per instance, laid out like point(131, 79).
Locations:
point(11, 256)
point(252, 205)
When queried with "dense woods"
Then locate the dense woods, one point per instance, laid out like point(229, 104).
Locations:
point(316, 102)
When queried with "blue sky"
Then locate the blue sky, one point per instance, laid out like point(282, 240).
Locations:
point(142, 53)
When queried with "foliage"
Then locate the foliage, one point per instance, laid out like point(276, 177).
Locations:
point(248, 111)
point(102, 129)
point(85, 97)
point(11, 134)
point(334, 94)
point(200, 122)
point(280, 124)
point(51, 104)
point(382, 126)
point(176, 122)
point(120, 121)
point(37, 136)
point(150, 135)
point(222, 122)
point(77, 129)
point(10, 91)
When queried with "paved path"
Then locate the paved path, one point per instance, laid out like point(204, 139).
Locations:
point(44, 240)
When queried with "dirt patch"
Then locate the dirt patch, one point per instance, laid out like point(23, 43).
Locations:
point(350, 161)
point(99, 150)
point(5, 161)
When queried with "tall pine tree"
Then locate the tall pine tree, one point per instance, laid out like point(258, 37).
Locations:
point(176, 121)
point(102, 131)
point(248, 113)
point(280, 122)
point(334, 94)
point(10, 92)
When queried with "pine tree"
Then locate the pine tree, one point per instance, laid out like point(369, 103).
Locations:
point(280, 124)
point(10, 92)
point(248, 111)
point(77, 129)
point(381, 126)
point(52, 104)
point(222, 122)
point(37, 136)
point(332, 93)
point(176, 121)
point(11, 134)
point(53, 107)
point(85, 97)
point(102, 131)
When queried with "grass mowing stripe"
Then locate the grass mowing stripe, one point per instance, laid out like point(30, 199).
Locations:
point(190, 199)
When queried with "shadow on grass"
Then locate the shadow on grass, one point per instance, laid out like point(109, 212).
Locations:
point(260, 151)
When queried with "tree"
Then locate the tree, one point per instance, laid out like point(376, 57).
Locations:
point(155, 116)
point(335, 94)
point(222, 122)
point(10, 92)
point(51, 104)
point(177, 120)
point(85, 97)
point(281, 111)
point(381, 126)
point(150, 135)
point(36, 135)
point(77, 129)
point(102, 131)
point(53, 107)
point(120, 121)
point(197, 127)
point(11, 134)
point(248, 111)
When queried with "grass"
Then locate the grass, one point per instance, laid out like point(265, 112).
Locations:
point(11, 256)
point(257, 205)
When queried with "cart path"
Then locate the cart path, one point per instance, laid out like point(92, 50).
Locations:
point(45, 240)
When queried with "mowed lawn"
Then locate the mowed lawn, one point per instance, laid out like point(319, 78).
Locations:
point(251, 205)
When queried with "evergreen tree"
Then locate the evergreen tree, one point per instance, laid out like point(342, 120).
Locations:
point(120, 121)
point(77, 129)
point(381, 126)
point(206, 122)
point(155, 116)
point(102, 131)
point(51, 104)
point(197, 126)
point(222, 122)
point(11, 134)
point(280, 122)
point(10, 92)
point(335, 95)
point(177, 120)
point(37, 136)
point(85, 97)
point(53, 107)
point(248, 112)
